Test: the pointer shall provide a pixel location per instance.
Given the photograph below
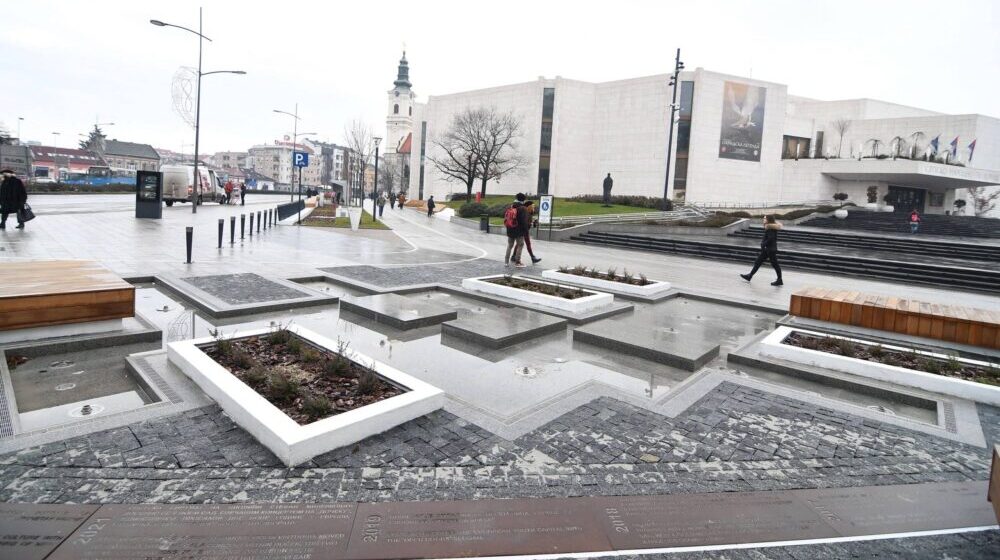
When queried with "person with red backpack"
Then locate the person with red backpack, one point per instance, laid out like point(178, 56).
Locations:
point(515, 219)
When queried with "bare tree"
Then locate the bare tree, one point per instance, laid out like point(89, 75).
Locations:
point(898, 144)
point(984, 199)
point(913, 148)
point(358, 137)
point(390, 172)
point(497, 150)
point(455, 153)
point(841, 126)
point(875, 144)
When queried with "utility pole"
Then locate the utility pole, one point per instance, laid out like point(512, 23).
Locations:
point(375, 188)
point(678, 66)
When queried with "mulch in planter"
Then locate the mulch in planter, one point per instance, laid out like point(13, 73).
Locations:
point(634, 280)
point(274, 364)
point(564, 292)
point(909, 360)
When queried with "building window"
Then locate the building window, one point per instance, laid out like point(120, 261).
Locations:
point(395, 109)
point(795, 147)
point(683, 140)
point(423, 149)
point(545, 146)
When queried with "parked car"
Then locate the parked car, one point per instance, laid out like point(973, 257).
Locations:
point(178, 183)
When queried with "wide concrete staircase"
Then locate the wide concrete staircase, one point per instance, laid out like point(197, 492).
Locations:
point(913, 245)
point(897, 222)
point(875, 268)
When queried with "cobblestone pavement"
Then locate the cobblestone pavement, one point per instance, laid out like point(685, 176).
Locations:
point(733, 439)
point(979, 545)
point(240, 289)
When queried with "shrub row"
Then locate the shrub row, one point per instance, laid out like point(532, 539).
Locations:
point(476, 209)
point(650, 202)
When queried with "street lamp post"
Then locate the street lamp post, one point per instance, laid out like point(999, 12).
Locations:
point(295, 138)
point(55, 155)
point(375, 188)
point(20, 140)
point(197, 112)
point(678, 66)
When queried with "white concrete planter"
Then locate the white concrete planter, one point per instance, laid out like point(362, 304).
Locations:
point(888, 208)
point(587, 303)
point(840, 213)
point(872, 206)
point(656, 287)
point(355, 214)
point(773, 347)
point(291, 442)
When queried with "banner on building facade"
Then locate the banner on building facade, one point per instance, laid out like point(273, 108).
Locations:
point(742, 121)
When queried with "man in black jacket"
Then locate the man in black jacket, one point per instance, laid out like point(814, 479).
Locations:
point(768, 250)
point(12, 198)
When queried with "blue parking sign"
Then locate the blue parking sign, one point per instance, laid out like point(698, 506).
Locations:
point(300, 159)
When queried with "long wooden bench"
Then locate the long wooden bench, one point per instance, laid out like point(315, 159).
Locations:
point(44, 293)
point(993, 494)
point(964, 325)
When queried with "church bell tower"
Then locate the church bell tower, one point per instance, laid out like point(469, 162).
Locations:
point(399, 119)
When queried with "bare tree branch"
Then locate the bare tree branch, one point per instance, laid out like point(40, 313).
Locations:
point(841, 126)
point(498, 146)
point(984, 199)
point(358, 137)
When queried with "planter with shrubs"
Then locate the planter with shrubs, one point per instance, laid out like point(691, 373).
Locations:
point(299, 393)
point(548, 294)
point(609, 279)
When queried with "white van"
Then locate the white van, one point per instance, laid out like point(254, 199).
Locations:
point(178, 182)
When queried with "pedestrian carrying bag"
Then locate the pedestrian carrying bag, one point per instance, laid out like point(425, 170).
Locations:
point(510, 217)
point(25, 214)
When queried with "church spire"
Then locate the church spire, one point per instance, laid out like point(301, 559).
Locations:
point(403, 74)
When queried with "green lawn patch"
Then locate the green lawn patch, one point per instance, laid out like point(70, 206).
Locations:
point(324, 217)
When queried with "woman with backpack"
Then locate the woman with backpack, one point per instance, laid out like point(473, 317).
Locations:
point(914, 221)
point(514, 219)
point(529, 209)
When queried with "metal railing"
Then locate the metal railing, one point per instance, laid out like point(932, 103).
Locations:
point(765, 204)
point(682, 214)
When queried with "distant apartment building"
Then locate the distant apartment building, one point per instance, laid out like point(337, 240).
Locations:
point(126, 156)
point(229, 161)
point(16, 158)
point(276, 161)
point(49, 162)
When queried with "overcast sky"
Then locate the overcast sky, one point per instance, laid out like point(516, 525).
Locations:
point(66, 63)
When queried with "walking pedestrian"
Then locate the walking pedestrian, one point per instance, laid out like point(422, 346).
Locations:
point(402, 200)
point(513, 219)
point(381, 204)
point(768, 250)
point(529, 208)
point(243, 194)
point(430, 206)
point(392, 200)
point(13, 197)
point(229, 192)
point(914, 221)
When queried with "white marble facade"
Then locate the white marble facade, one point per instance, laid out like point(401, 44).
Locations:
point(621, 127)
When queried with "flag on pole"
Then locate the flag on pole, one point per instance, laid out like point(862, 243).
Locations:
point(954, 148)
point(934, 145)
point(972, 148)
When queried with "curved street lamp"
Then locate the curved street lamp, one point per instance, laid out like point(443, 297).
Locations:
point(197, 111)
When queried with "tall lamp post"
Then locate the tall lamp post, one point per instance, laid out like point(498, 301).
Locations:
point(377, 140)
point(197, 111)
point(295, 138)
point(55, 155)
point(20, 140)
point(678, 66)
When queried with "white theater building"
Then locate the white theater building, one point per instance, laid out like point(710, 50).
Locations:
point(736, 140)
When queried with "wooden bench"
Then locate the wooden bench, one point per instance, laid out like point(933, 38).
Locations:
point(44, 293)
point(964, 325)
point(993, 494)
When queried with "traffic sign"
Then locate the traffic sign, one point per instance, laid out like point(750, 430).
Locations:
point(545, 209)
point(300, 159)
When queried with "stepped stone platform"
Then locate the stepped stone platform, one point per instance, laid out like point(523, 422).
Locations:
point(689, 353)
point(964, 325)
point(233, 295)
point(504, 327)
point(398, 311)
point(45, 293)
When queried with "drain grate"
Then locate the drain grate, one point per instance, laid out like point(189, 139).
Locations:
point(150, 374)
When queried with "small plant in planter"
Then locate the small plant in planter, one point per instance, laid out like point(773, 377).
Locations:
point(872, 194)
point(841, 197)
point(256, 376)
point(317, 407)
point(282, 387)
point(840, 212)
point(959, 206)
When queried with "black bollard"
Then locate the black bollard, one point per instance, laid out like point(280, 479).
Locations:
point(222, 225)
point(232, 229)
point(190, 237)
point(258, 221)
point(251, 224)
point(270, 218)
point(243, 225)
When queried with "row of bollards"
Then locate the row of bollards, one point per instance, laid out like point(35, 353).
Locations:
point(265, 219)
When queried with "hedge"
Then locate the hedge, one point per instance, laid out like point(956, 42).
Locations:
point(653, 203)
point(476, 209)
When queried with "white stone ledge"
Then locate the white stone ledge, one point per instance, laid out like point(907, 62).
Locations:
point(654, 288)
point(291, 442)
point(595, 300)
point(772, 346)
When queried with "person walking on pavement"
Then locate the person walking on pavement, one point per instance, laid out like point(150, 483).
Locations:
point(402, 200)
point(430, 206)
point(381, 204)
point(13, 197)
point(514, 219)
point(229, 192)
point(529, 208)
point(243, 194)
point(768, 250)
point(914, 221)
point(392, 201)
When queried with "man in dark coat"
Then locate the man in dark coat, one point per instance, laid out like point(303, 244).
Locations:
point(12, 198)
point(768, 250)
point(243, 194)
point(608, 183)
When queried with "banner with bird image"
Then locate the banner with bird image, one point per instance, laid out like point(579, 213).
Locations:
point(742, 121)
